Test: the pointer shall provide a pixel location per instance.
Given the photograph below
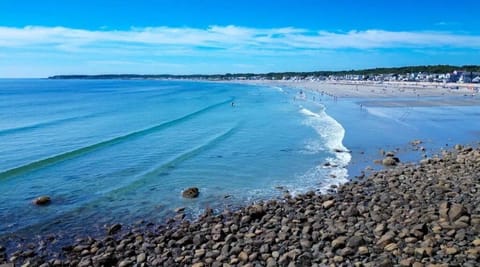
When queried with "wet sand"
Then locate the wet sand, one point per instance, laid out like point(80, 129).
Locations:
point(362, 89)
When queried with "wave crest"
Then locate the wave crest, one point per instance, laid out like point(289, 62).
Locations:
point(331, 135)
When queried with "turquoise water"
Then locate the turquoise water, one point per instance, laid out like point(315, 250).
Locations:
point(117, 151)
point(120, 150)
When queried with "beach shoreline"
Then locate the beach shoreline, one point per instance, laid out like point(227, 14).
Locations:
point(423, 213)
point(411, 99)
point(368, 89)
point(201, 242)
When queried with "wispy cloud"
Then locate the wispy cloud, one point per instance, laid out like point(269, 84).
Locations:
point(447, 23)
point(41, 51)
point(225, 38)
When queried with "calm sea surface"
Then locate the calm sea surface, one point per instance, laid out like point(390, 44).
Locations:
point(121, 150)
point(109, 151)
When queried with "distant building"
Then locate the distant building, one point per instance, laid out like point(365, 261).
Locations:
point(464, 76)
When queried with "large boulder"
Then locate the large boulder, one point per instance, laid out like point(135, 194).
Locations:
point(256, 211)
point(191, 192)
point(390, 161)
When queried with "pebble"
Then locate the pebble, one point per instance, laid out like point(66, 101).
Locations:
point(451, 251)
point(275, 254)
point(363, 250)
point(391, 247)
point(125, 263)
point(339, 242)
point(328, 204)
point(243, 256)
point(141, 257)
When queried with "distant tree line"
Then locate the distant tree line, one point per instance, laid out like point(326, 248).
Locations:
point(433, 69)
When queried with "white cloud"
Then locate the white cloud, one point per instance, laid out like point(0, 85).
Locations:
point(35, 51)
point(226, 38)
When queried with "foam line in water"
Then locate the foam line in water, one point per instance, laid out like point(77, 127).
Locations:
point(144, 178)
point(280, 89)
point(84, 150)
point(44, 124)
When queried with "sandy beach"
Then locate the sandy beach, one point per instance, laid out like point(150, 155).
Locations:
point(362, 89)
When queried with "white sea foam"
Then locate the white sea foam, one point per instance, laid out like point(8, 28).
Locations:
point(331, 134)
point(278, 88)
point(312, 146)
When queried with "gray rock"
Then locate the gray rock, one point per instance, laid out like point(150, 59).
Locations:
point(386, 239)
point(355, 241)
point(141, 258)
point(328, 204)
point(125, 263)
point(339, 242)
point(346, 252)
point(390, 161)
point(455, 211)
point(443, 209)
point(305, 243)
point(255, 211)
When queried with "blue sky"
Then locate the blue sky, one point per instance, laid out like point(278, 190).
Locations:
point(42, 38)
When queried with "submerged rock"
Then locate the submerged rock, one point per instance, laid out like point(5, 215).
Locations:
point(191, 192)
point(338, 150)
point(114, 229)
point(42, 200)
point(390, 154)
point(416, 142)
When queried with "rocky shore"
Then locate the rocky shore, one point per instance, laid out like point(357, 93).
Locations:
point(427, 214)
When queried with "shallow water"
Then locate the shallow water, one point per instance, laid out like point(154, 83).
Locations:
point(391, 124)
point(117, 151)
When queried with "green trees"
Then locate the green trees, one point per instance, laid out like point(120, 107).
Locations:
point(432, 69)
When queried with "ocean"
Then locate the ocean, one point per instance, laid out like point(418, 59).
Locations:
point(119, 151)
